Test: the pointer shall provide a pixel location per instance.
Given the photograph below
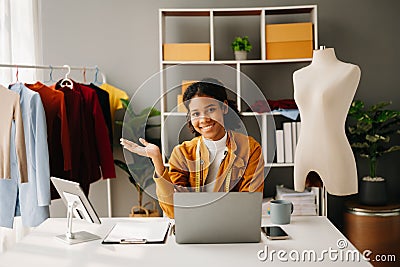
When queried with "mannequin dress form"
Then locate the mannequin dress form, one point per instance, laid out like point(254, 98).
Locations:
point(324, 91)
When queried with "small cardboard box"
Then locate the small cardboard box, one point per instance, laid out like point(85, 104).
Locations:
point(291, 40)
point(187, 52)
point(181, 106)
point(186, 84)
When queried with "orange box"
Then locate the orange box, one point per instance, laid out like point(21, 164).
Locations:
point(186, 84)
point(291, 40)
point(188, 51)
point(181, 106)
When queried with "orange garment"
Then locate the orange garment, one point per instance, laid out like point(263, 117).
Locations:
point(10, 111)
point(244, 154)
point(57, 126)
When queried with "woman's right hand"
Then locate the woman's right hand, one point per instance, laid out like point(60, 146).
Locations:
point(147, 150)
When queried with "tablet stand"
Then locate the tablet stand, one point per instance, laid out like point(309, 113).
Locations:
point(73, 238)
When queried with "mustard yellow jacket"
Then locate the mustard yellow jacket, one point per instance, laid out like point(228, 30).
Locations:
point(244, 154)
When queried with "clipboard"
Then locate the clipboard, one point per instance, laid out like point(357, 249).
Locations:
point(138, 232)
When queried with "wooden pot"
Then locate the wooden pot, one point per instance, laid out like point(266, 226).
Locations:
point(142, 211)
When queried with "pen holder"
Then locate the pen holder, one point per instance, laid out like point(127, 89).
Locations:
point(142, 211)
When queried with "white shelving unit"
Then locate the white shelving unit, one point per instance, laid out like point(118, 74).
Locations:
point(211, 20)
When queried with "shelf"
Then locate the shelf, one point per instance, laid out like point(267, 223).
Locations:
point(218, 26)
point(289, 10)
point(244, 114)
point(180, 114)
point(186, 12)
point(251, 114)
point(268, 165)
point(234, 62)
point(280, 165)
point(238, 11)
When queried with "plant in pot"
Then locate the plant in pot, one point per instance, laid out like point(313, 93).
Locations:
point(369, 132)
point(139, 169)
point(241, 46)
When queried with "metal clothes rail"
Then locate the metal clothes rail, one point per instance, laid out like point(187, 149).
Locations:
point(69, 68)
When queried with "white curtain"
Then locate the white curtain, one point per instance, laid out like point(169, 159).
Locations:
point(19, 39)
point(19, 44)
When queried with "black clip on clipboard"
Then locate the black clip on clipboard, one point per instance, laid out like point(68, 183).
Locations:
point(138, 232)
point(133, 241)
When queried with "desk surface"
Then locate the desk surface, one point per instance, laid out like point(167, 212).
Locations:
point(41, 248)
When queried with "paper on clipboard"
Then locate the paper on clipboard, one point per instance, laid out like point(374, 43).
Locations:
point(138, 232)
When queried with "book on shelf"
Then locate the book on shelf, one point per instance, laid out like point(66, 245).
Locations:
point(287, 139)
point(280, 153)
point(294, 139)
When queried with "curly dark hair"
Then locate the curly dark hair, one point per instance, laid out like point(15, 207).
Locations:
point(212, 88)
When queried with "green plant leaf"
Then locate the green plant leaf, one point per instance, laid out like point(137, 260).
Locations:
point(369, 130)
point(241, 44)
point(149, 112)
point(139, 169)
point(379, 106)
point(149, 126)
point(391, 149)
point(375, 138)
point(360, 145)
point(122, 165)
point(127, 107)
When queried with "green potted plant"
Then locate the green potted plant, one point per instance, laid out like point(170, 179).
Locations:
point(139, 169)
point(241, 46)
point(369, 132)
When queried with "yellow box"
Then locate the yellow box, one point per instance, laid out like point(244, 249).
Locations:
point(181, 106)
point(186, 84)
point(291, 40)
point(187, 52)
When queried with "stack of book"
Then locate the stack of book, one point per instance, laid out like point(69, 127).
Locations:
point(286, 142)
point(304, 203)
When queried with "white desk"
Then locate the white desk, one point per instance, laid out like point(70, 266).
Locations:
point(41, 248)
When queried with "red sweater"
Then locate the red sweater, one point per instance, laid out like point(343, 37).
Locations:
point(92, 157)
point(57, 127)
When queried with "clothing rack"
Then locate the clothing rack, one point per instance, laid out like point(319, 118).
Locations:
point(69, 68)
point(50, 67)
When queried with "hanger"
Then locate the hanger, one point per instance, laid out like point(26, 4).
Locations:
point(103, 77)
point(66, 82)
point(50, 75)
point(96, 75)
point(84, 74)
point(17, 74)
point(96, 81)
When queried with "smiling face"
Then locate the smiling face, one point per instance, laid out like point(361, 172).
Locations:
point(207, 116)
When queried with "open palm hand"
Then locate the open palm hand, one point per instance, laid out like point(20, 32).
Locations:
point(147, 150)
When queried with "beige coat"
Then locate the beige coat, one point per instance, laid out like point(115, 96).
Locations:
point(10, 111)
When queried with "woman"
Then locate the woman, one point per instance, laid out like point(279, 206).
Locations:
point(218, 159)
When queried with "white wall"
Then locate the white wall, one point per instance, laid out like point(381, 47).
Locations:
point(121, 37)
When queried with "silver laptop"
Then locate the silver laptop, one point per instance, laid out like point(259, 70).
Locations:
point(217, 217)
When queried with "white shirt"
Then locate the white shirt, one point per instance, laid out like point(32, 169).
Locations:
point(216, 151)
